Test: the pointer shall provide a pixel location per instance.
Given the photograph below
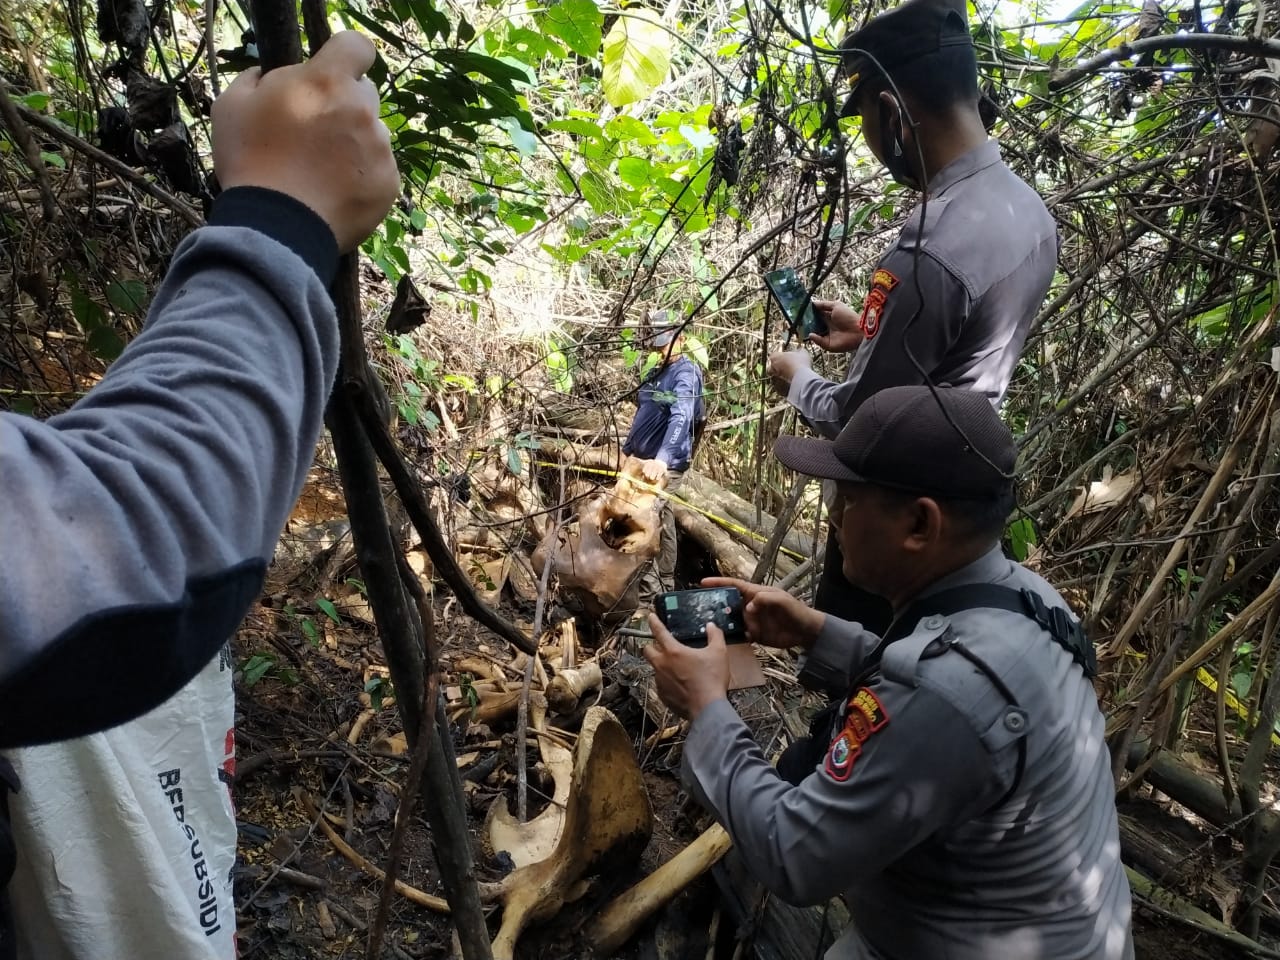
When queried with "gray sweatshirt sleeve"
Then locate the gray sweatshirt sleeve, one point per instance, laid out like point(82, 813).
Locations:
point(136, 527)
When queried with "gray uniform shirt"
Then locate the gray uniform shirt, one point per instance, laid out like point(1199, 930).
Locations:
point(905, 815)
point(988, 248)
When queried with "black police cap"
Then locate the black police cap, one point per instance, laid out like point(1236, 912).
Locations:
point(899, 36)
point(905, 438)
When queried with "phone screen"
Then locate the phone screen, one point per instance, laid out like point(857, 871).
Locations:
point(794, 301)
point(686, 614)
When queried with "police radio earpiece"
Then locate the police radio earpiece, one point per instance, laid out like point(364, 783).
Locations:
point(888, 131)
point(897, 166)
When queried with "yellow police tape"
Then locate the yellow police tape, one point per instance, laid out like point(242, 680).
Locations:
point(1207, 679)
point(1210, 681)
point(727, 524)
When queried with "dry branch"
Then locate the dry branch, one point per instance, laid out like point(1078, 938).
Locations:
point(412, 894)
point(1250, 46)
point(120, 169)
point(22, 137)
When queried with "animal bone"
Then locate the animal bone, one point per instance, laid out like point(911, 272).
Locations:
point(607, 823)
point(568, 686)
point(618, 921)
point(494, 704)
point(535, 840)
point(598, 557)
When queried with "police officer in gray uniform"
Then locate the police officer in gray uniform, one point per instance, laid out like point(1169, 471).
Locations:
point(962, 800)
point(956, 292)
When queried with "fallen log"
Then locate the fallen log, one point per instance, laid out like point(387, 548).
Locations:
point(733, 558)
point(1198, 794)
point(703, 492)
point(1176, 908)
point(1182, 872)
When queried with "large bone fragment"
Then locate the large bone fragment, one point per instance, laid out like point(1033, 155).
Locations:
point(622, 917)
point(598, 556)
point(535, 840)
point(607, 824)
point(568, 686)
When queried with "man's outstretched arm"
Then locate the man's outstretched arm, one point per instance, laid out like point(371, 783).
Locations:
point(136, 527)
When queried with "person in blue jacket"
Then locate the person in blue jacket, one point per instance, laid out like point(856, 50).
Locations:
point(665, 429)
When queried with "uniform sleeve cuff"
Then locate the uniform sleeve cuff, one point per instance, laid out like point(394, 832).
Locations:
point(826, 663)
point(283, 219)
point(802, 378)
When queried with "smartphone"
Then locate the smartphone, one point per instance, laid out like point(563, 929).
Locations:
point(795, 303)
point(686, 614)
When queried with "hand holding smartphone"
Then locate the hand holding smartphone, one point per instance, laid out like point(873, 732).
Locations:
point(796, 303)
point(686, 613)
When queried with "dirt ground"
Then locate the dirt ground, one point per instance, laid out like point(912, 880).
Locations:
point(307, 730)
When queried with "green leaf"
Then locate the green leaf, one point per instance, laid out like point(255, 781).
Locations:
point(34, 101)
point(698, 139)
point(513, 460)
point(127, 296)
point(577, 126)
point(468, 61)
point(433, 22)
point(378, 689)
point(637, 55)
point(1022, 537)
point(89, 315)
point(634, 171)
point(256, 667)
point(697, 352)
point(524, 141)
point(558, 370)
point(577, 23)
point(629, 128)
point(328, 609)
point(1240, 683)
point(105, 343)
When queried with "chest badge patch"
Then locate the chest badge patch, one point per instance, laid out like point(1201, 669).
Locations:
point(865, 715)
point(882, 284)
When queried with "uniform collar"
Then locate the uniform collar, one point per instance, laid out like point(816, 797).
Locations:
point(965, 165)
point(991, 567)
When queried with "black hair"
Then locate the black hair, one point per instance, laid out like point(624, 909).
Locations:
point(934, 83)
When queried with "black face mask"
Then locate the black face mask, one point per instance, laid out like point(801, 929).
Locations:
point(891, 146)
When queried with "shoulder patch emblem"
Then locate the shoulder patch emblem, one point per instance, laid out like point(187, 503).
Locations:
point(882, 283)
point(872, 310)
point(868, 706)
point(864, 715)
point(883, 278)
point(843, 751)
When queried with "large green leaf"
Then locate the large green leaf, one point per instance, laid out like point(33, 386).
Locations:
point(637, 55)
point(577, 23)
